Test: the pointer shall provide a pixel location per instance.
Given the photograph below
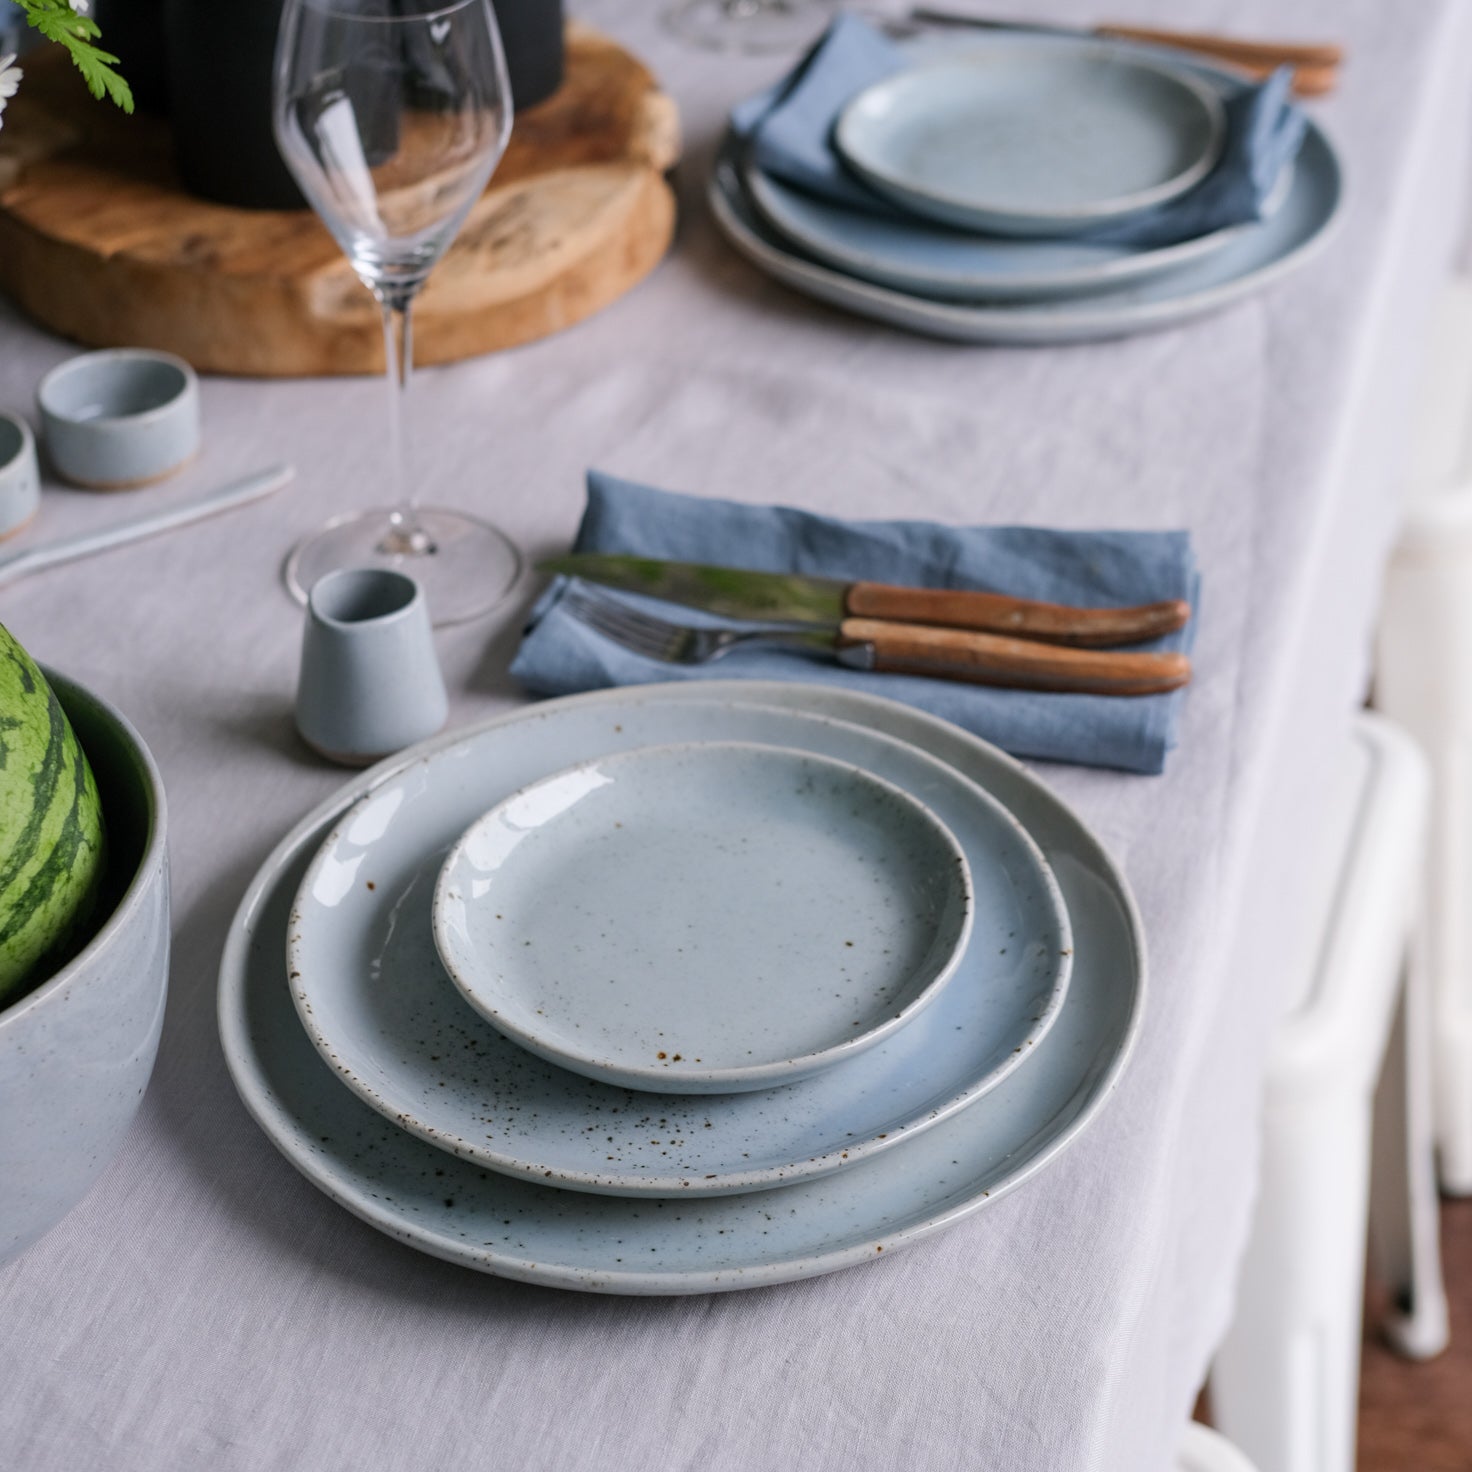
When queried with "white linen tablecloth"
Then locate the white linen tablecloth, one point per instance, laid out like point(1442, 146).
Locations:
point(205, 1307)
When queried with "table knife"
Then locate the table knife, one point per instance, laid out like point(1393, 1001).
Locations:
point(993, 659)
point(1315, 64)
point(739, 593)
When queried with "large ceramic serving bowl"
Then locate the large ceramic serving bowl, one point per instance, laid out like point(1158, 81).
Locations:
point(76, 1053)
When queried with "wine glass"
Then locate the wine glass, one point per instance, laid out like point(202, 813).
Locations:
point(392, 115)
point(749, 25)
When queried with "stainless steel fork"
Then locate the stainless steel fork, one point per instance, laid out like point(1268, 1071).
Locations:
point(655, 638)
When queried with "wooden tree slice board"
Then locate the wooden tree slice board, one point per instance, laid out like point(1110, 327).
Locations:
point(99, 242)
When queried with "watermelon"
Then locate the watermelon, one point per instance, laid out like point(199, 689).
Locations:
point(51, 836)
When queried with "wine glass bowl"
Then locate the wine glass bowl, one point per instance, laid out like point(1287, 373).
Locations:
point(392, 116)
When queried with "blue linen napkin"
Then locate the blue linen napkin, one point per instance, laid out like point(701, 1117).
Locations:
point(560, 655)
point(789, 128)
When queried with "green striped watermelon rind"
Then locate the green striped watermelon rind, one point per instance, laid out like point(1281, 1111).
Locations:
point(52, 840)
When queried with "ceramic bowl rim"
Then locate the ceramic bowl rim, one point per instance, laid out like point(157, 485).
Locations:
point(119, 358)
point(18, 460)
point(741, 1077)
point(139, 883)
point(408, 609)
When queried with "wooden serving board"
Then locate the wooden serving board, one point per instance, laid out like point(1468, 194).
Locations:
point(99, 242)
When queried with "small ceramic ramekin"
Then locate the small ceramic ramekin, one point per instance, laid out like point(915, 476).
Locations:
point(119, 418)
point(20, 480)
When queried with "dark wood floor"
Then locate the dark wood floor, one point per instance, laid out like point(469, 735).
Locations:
point(1418, 1418)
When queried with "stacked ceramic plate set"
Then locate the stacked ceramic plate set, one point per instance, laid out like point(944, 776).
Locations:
point(1009, 175)
point(682, 988)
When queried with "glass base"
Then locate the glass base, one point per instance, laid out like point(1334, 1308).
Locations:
point(465, 565)
point(749, 25)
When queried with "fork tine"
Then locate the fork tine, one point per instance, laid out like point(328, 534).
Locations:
point(637, 631)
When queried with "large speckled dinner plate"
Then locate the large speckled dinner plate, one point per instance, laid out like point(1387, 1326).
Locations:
point(460, 1211)
point(375, 999)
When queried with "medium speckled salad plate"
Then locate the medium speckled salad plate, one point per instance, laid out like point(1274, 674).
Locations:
point(375, 1000)
point(704, 918)
point(1028, 140)
point(459, 1211)
point(933, 260)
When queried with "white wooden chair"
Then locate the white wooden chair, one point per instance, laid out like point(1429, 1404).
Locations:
point(1424, 681)
point(1286, 1379)
point(1203, 1450)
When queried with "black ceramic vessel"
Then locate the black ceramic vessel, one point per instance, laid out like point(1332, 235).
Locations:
point(221, 56)
point(133, 30)
point(531, 31)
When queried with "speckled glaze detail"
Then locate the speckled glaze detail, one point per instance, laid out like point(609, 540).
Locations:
point(1017, 139)
point(376, 1002)
point(704, 918)
point(76, 1053)
point(457, 1210)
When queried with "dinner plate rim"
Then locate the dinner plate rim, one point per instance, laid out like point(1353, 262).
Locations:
point(809, 1166)
point(288, 1137)
point(931, 974)
point(997, 216)
point(1039, 324)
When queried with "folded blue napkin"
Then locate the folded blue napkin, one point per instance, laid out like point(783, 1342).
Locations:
point(789, 128)
point(560, 655)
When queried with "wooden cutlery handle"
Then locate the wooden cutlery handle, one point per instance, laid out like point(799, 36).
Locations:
point(1234, 48)
point(1023, 618)
point(989, 659)
point(1308, 81)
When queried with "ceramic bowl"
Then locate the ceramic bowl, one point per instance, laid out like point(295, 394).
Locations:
point(20, 480)
point(119, 418)
point(76, 1053)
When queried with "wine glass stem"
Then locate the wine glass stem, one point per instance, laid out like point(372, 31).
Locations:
point(404, 536)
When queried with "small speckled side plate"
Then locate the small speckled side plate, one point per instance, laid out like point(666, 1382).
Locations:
point(458, 1210)
point(375, 999)
point(1018, 139)
point(705, 918)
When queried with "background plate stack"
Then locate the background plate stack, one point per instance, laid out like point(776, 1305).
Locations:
point(932, 262)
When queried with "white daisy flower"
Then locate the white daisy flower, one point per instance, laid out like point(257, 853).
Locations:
point(10, 75)
point(80, 7)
